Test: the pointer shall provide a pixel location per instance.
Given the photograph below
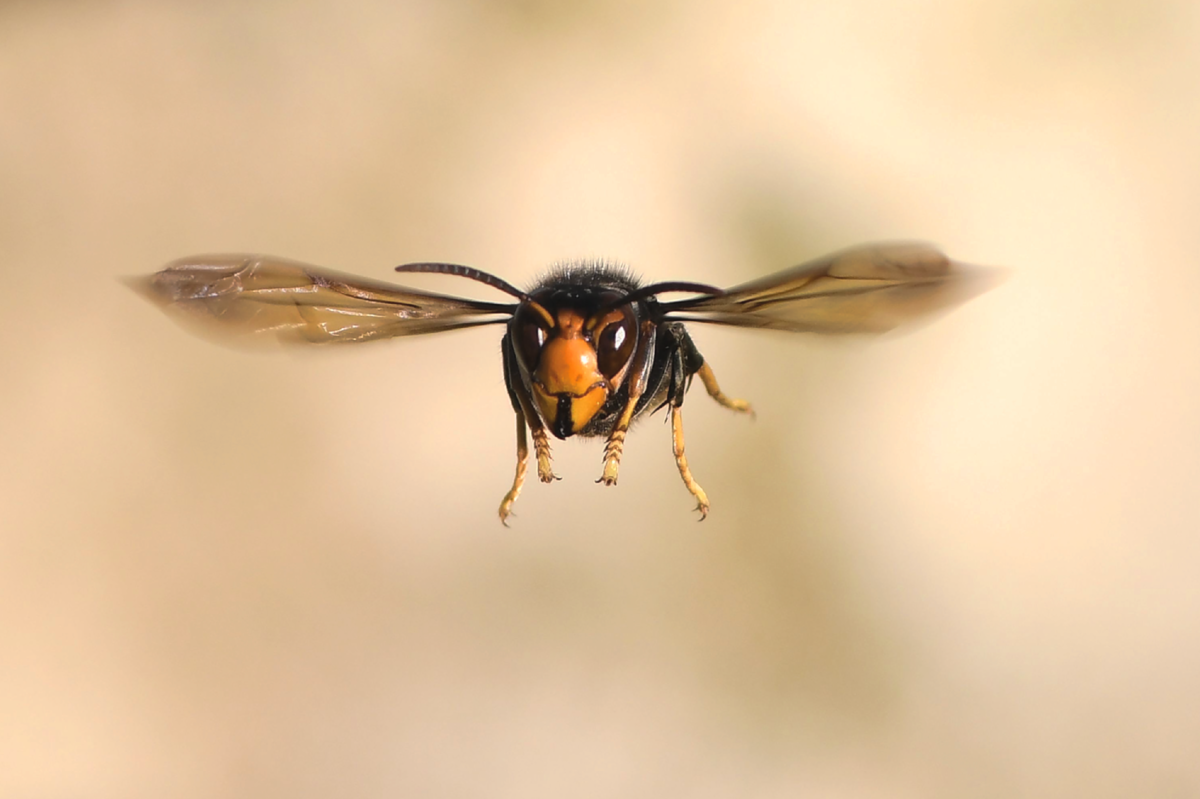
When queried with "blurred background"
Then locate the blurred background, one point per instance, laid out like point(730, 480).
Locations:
point(957, 562)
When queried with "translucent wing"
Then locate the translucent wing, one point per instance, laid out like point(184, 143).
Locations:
point(258, 296)
point(867, 289)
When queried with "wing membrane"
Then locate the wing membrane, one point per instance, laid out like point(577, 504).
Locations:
point(257, 296)
point(868, 289)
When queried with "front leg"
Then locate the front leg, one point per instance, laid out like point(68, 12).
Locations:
point(638, 371)
point(541, 441)
point(526, 415)
point(541, 446)
point(616, 442)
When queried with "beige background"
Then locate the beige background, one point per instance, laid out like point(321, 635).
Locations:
point(960, 562)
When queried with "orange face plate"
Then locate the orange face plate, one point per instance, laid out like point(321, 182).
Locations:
point(568, 368)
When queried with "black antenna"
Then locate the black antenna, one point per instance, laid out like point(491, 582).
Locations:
point(468, 272)
point(663, 288)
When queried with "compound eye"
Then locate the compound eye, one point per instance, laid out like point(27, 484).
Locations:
point(615, 340)
point(529, 334)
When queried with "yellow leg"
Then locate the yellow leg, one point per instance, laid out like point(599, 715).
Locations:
point(616, 443)
point(710, 385)
point(522, 467)
point(637, 385)
point(681, 461)
point(541, 445)
point(541, 441)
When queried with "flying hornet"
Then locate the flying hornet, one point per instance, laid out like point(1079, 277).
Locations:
point(588, 348)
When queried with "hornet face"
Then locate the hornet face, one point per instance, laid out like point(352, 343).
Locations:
point(574, 346)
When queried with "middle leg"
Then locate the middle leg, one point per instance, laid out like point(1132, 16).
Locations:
point(522, 466)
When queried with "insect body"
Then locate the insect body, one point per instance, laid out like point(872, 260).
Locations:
point(588, 349)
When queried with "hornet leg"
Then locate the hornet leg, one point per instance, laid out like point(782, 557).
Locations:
point(616, 442)
point(686, 362)
point(541, 445)
point(526, 415)
point(615, 445)
point(522, 467)
point(681, 461)
point(710, 385)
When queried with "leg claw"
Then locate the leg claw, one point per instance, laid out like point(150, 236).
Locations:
point(609, 478)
